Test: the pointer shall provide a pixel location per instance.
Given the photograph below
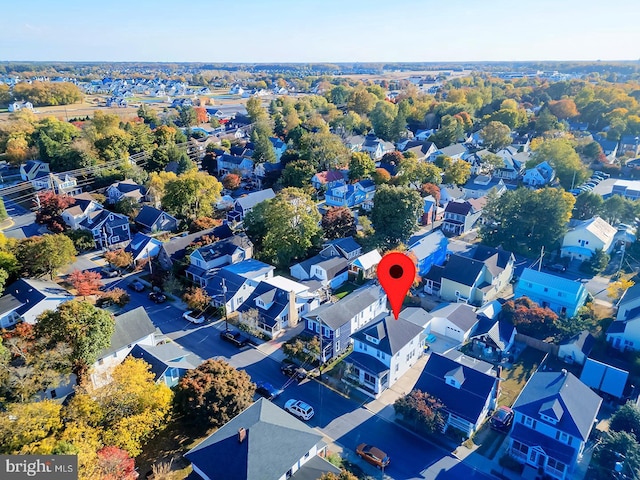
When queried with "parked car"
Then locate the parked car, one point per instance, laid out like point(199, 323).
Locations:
point(136, 285)
point(373, 455)
point(557, 267)
point(110, 272)
point(502, 418)
point(157, 297)
point(299, 409)
point(292, 370)
point(601, 174)
point(267, 390)
point(236, 338)
point(193, 318)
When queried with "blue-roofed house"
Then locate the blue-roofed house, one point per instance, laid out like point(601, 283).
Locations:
point(143, 247)
point(331, 265)
point(279, 147)
point(609, 147)
point(126, 189)
point(245, 204)
point(108, 228)
point(540, 175)
point(624, 332)
point(383, 350)
point(32, 169)
point(345, 247)
point(467, 388)
point(168, 361)
point(234, 164)
point(151, 219)
point(554, 415)
point(561, 295)
point(604, 378)
point(430, 250)
point(262, 442)
point(26, 298)
point(340, 319)
point(352, 195)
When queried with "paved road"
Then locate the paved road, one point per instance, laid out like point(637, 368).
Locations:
point(23, 221)
point(342, 420)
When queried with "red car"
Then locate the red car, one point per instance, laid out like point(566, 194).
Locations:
point(373, 455)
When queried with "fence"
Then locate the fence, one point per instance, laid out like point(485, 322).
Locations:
point(537, 344)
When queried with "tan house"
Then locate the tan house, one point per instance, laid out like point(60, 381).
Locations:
point(582, 241)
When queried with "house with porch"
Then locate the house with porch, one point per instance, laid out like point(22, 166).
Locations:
point(460, 216)
point(109, 229)
point(493, 337)
point(562, 295)
point(340, 319)
point(383, 351)
point(205, 260)
point(468, 389)
point(481, 185)
point(429, 250)
point(247, 203)
point(331, 265)
point(175, 250)
point(59, 184)
point(262, 442)
point(26, 298)
point(554, 416)
point(584, 238)
point(234, 164)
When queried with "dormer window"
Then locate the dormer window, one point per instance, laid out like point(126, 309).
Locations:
point(548, 419)
point(373, 340)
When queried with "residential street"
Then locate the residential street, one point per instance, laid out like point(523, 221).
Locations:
point(22, 223)
point(341, 420)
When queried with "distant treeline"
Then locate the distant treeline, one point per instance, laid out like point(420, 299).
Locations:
point(42, 94)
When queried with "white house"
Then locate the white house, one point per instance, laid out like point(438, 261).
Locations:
point(455, 321)
point(624, 332)
point(17, 106)
point(585, 238)
point(383, 351)
point(26, 298)
point(80, 210)
point(367, 264)
point(577, 348)
point(131, 328)
point(542, 174)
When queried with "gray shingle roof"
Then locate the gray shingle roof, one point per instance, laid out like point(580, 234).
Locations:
point(460, 314)
point(175, 247)
point(225, 247)
point(164, 356)
point(462, 270)
point(275, 440)
point(148, 216)
point(251, 200)
point(392, 335)
point(334, 315)
point(131, 327)
point(577, 404)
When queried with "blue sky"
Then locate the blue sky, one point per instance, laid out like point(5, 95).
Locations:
point(319, 31)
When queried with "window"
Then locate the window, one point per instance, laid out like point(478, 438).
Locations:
point(115, 238)
point(338, 345)
point(337, 333)
point(546, 289)
point(316, 327)
point(519, 447)
point(563, 437)
point(530, 422)
point(369, 378)
point(555, 464)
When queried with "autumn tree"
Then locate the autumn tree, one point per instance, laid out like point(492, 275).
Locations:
point(457, 173)
point(197, 299)
point(361, 165)
point(82, 239)
point(564, 109)
point(297, 174)
point(380, 176)
point(529, 318)
point(49, 210)
point(338, 222)
point(231, 181)
point(496, 135)
point(395, 214)
point(423, 410)
point(113, 463)
point(306, 349)
point(118, 296)
point(523, 220)
point(119, 258)
point(192, 194)
point(86, 329)
point(449, 132)
point(45, 255)
point(344, 475)
point(22, 424)
point(431, 189)
point(86, 282)
point(415, 173)
point(285, 227)
point(203, 223)
point(616, 289)
point(201, 114)
point(214, 393)
point(127, 410)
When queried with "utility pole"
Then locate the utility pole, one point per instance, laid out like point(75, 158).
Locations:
point(150, 267)
point(224, 305)
point(541, 257)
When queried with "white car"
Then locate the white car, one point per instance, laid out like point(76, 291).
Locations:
point(299, 409)
point(192, 318)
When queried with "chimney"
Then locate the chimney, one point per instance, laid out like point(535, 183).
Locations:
point(242, 434)
point(293, 311)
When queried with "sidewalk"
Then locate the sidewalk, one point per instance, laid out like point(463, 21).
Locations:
point(273, 348)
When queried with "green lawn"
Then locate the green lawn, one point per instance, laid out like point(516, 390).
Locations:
point(515, 378)
point(345, 290)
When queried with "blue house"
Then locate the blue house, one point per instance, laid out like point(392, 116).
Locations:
point(169, 361)
point(353, 195)
point(561, 295)
point(430, 250)
point(279, 146)
point(339, 320)
point(151, 219)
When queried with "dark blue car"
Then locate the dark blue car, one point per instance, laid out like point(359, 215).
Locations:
point(267, 390)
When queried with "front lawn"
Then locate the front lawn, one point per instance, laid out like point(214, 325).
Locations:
point(345, 290)
point(515, 378)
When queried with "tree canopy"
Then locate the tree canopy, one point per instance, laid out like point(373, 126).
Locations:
point(395, 214)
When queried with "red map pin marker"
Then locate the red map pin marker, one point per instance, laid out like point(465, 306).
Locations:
point(396, 273)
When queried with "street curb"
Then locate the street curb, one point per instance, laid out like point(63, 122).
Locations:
point(326, 385)
point(9, 225)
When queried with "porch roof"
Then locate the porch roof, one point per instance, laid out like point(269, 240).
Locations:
point(368, 363)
